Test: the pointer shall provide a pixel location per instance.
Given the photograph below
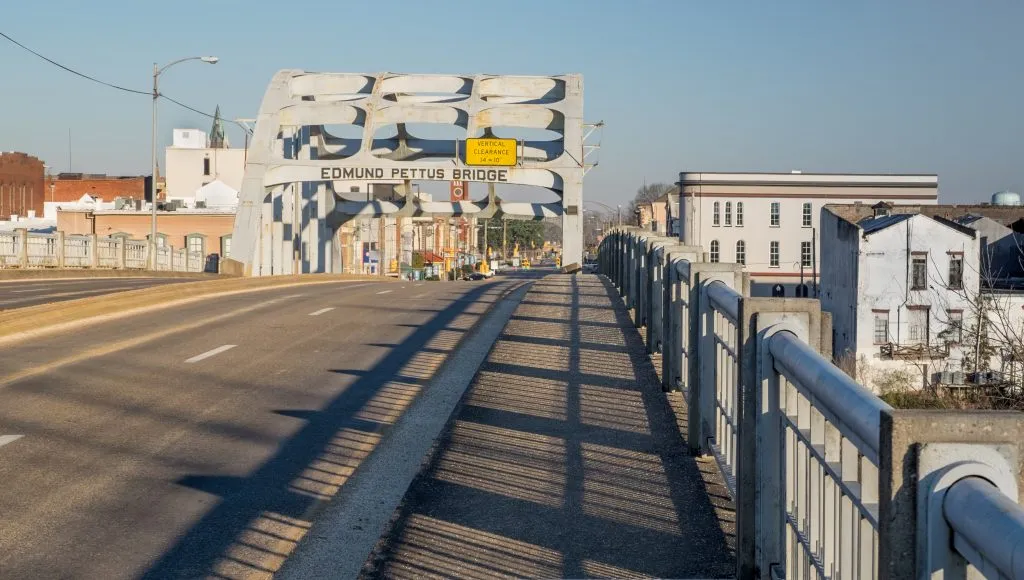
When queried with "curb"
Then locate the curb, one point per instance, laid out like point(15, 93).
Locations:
point(43, 319)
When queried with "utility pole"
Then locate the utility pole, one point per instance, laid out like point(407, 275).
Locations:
point(487, 259)
point(504, 239)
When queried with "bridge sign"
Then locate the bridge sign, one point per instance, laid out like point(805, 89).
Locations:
point(501, 152)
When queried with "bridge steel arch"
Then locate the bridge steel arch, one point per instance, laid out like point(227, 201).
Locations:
point(291, 205)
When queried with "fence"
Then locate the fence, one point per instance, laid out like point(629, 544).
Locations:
point(828, 480)
point(21, 249)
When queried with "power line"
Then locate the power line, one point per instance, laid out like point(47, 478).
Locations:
point(106, 84)
point(73, 71)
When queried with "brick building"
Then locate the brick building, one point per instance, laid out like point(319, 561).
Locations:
point(72, 186)
point(21, 185)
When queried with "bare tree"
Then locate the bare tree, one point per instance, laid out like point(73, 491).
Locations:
point(646, 194)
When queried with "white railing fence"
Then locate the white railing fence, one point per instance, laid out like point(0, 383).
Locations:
point(25, 250)
point(828, 480)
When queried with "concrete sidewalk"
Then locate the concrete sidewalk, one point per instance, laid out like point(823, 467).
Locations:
point(564, 459)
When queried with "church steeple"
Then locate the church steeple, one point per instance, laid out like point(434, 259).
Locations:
point(218, 139)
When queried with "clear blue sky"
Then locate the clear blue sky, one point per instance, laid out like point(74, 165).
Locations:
point(901, 86)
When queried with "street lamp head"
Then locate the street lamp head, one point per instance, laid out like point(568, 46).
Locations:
point(209, 59)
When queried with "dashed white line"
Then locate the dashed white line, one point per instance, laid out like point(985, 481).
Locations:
point(385, 291)
point(421, 295)
point(321, 311)
point(418, 285)
point(5, 439)
point(210, 353)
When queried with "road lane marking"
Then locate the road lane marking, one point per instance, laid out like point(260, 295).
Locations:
point(5, 439)
point(133, 342)
point(210, 353)
point(385, 291)
point(321, 311)
point(418, 285)
point(421, 295)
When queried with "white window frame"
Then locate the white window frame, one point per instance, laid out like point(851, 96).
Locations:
point(808, 215)
point(741, 252)
point(806, 255)
point(715, 214)
point(774, 214)
point(739, 214)
point(877, 317)
point(715, 252)
point(728, 214)
point(774, 254)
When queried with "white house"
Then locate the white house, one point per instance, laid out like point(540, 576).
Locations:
point(192, 164)
point(769, 221)
point(901, 289)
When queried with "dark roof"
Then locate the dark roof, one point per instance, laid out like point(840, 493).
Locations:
point(873, 224)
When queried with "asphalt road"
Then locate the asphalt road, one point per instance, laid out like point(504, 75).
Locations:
point(204, 440)
point(22, 293)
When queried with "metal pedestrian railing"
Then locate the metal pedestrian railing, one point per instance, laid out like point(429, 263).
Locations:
point(25, 250)
point(828, 480)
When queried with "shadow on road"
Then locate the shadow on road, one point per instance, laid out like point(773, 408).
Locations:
point(263, 515)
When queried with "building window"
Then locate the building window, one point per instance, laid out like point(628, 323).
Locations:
point(728, 213)
point(807, 215)
point(714, 214)
point(195, 243)
point(919, 271)
point(956, 326)
point(881, 326)
point(739, 213)
point(741, 252)
point(956, 272)
point(805, 254)
point(225, 246)
point(714, 251)
point(917, 321)
point(775, 214)
point(773, 254)
point(206, 166)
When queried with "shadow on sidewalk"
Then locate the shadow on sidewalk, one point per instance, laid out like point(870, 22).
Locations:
point(564, 459)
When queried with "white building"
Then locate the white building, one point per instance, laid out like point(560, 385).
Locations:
point(192, 164)
point(770, 221)
point(900, 288)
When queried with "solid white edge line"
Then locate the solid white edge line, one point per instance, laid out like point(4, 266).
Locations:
point(5, 439)
point(385, 291)
point(321, 311)
point(210, 353)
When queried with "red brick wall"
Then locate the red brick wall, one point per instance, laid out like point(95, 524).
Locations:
point(107, 188)
point(21, 185)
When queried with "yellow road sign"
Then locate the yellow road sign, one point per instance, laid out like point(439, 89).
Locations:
point(491, 152)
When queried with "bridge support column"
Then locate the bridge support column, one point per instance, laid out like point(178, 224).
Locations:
point(60, 250)
point(94, 251)
point(22, 247)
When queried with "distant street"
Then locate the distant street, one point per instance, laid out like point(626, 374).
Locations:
point(204, 439)
point(23, 293)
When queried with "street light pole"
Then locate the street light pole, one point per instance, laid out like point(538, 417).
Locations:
point(152, 186)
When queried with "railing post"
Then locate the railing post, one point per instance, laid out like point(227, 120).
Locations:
point(60, 250)
point(675, 298)
point(94, 251)
point(170, 259)
point(121, 251)
point(702, 367)
point(655, 292)
point(759, 479)
point(22, 247)
point(922, 453)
